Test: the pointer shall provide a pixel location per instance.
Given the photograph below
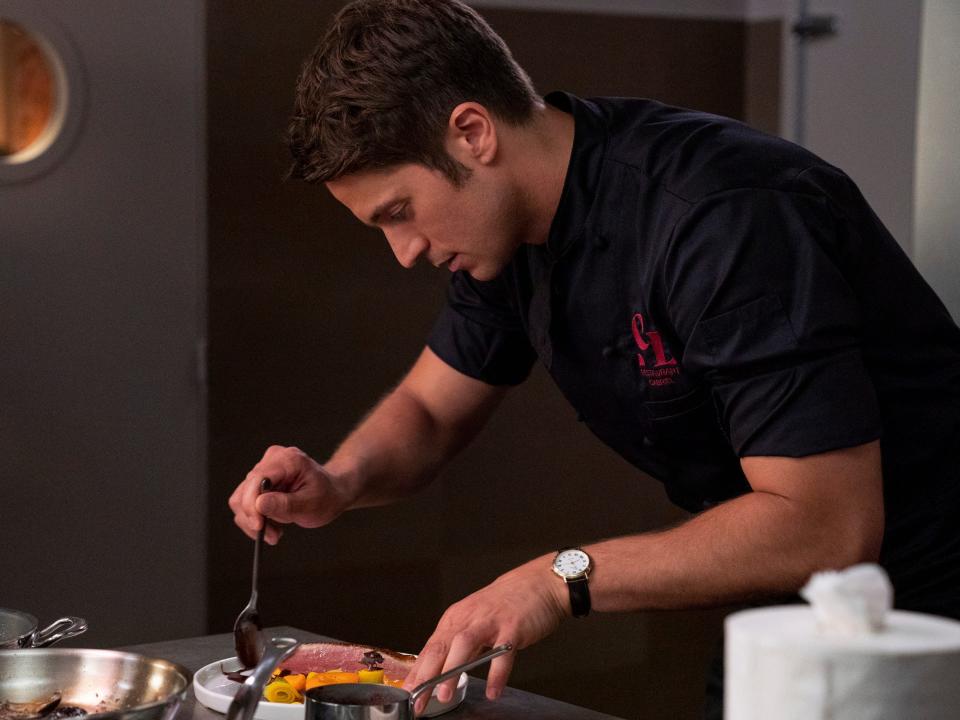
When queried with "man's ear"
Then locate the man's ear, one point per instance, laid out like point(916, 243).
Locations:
point(471, 134)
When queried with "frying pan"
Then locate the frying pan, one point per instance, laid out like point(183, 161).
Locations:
point(109, 684)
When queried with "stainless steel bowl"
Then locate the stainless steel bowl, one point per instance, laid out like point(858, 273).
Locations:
point(107, 683)
point(21, 630)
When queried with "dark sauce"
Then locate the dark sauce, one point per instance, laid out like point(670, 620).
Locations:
point(10, 711)
point(239, 676)
point(66, 711)
point(358, 694)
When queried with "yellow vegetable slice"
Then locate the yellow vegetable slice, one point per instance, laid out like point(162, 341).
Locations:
point(280, 691)
point(371, 676)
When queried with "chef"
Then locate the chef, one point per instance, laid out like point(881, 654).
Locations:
point(721, 307)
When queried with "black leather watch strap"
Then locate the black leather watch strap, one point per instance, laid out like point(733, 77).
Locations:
point(579, 597)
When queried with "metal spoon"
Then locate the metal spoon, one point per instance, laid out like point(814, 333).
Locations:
point(246, 630)
point(32, 710)
point(52, 704)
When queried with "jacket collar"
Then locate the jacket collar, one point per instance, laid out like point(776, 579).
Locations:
point(583, 172)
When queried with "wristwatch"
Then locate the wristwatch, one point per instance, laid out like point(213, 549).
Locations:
point(574, 566)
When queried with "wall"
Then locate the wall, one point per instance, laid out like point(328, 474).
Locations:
point(861, 102)
point(101, 268)
point(312, 320)
point(937, 227)
point(881, 103)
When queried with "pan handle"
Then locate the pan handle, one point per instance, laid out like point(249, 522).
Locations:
point(65, 627)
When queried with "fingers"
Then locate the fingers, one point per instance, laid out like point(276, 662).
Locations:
point(463, 649)
point(250, 524)
point(243, 503)
point(500, 669)
point(428, 665)
point(286, 467)
point(276, 506)
point(438, 657)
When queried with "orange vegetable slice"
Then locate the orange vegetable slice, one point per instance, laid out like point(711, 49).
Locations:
point(334, 677)
point(297, 682)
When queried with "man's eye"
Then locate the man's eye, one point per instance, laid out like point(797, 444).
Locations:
point(398, 214)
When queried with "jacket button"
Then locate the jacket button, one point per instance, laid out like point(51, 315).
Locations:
point(601, 242)
point(608, 351)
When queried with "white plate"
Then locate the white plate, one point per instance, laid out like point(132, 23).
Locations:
point(214, 690)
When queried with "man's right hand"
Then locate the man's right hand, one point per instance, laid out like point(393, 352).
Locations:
point(303, 493)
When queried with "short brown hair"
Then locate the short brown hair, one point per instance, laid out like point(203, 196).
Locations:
point(379, 88)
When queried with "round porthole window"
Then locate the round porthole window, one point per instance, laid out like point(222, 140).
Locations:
point(40, 95)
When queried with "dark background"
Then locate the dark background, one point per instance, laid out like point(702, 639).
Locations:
point(311, 320)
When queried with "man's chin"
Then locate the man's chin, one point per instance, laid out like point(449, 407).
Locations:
point(482, 274)
point(485, 272)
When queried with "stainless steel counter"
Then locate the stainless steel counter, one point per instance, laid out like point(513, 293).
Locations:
point(194, 653)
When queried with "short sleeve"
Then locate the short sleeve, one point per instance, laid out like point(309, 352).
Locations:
point(479, 332)
point(756, 286)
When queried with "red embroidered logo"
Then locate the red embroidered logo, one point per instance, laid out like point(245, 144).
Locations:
point(660, 370)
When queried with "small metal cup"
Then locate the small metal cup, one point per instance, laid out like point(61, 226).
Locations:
point(369, 701)
point(358, 701)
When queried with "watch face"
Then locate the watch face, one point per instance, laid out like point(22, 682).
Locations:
point(572, 562)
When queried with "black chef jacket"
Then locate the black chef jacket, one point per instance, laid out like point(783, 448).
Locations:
point(708, 292)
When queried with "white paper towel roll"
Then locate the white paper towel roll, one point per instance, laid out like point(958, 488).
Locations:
point(779, 666)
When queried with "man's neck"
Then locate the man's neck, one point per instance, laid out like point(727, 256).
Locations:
point(543, 150)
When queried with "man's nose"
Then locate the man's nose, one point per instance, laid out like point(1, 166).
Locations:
point(406, 247)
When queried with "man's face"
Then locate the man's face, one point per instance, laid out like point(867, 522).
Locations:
point(423, 214)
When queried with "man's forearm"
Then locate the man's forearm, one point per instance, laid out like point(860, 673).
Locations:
point(806, 514)
point(417, 428)
point(757, 546)
point(397, 449)
point(402, 444)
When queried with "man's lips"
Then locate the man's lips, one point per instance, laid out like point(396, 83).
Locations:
point(452, 262)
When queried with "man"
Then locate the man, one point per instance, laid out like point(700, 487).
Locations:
point(721, 307)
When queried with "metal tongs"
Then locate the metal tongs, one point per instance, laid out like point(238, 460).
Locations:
point(245, 702)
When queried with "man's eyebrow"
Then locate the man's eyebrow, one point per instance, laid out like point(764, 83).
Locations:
point(381, 209)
